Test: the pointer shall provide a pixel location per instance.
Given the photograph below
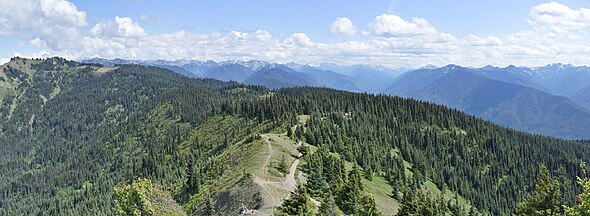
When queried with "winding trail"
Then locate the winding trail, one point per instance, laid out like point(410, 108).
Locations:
point(265, 168)
point(275, 190)
point(270, 151)
point(290, 182)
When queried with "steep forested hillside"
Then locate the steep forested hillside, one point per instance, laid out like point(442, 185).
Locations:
point(232, 72)
point(329, 79)
point(78, 139)
point(505, 103)
point(280, 77)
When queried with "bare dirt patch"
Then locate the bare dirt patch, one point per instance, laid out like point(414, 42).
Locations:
point(104, 70)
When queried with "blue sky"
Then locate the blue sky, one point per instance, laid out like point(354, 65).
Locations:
point(394, 33)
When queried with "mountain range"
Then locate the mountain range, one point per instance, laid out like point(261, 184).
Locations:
point(550, 100)
point(355, 78)
point(476, 92)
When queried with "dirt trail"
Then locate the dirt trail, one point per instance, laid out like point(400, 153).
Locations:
point(290, 182)
point(268, 187)
point(275, 190)
point(270, 151)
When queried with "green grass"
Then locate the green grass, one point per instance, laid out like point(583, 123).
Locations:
point(303, 118)
point(239, 90)
point(381, 191)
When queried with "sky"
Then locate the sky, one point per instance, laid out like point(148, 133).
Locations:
point(393, 33)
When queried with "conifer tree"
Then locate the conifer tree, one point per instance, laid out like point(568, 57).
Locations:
point(582, 208)
point(351, 192)
point(546, 198)
point(297, 204)
point(367, 206)
point(329, 207)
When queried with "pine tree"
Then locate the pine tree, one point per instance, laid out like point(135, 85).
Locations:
point(283, 167)
point(408, 203)
point(368, 174)
point(190, 178)
point(351, 191)
point(209, 208)
point(546, 198)
point(329, 207)
point(297, 204)
point(303, 150)
point(316, 185)
point(289, 131)
point(583, 206)
point(367, 206)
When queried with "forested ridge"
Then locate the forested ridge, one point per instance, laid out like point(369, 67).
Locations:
point(71, 133)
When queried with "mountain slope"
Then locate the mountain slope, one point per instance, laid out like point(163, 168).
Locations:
point(335, 80)
point(408, 84)
point(78, 131)
point(280, 77)
point(377, 76)
point(198, 68)
point(582, 97)
point(512, 74)
point(557, 79)
point(562, 79)
point(189, 68)
point(230, 72)
point(507, 104)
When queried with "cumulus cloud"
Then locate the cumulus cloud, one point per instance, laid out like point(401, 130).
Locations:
point(62, 12)
point(300, 39)
point(343, 26)
point(119, 27)
point(37, 42)
point(391, 25)
point(559, 18)
point(54, 20)
point(474, 40)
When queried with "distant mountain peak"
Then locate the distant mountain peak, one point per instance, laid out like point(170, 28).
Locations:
point(429, 66)
point(250, 64)
point(450, 67)
point(554, 67)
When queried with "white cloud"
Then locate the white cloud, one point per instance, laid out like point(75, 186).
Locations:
point(4, 60)
point(62, 12)
point(390, 25)
point(119, 27)
point(37, 42)
point(559, 18)
point(474, 40)
point(300, 39)
point(343, 26)
point(60, 29)
point(54, 21)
